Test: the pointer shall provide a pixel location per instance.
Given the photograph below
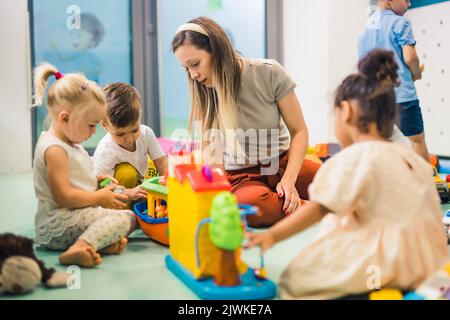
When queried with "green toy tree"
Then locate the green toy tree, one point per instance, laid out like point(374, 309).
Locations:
point(227, 235)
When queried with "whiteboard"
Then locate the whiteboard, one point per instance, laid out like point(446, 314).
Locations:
point(431, 25)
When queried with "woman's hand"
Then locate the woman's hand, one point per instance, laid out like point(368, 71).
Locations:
point(292, 200)
point(264, 239)
point(106, 198)
point(136, 193)
point(297, 150)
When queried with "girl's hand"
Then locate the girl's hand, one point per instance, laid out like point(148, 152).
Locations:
point(102, 177)
point(108, 199)
point(291, 197)
point(263, 239)
point(136, 193)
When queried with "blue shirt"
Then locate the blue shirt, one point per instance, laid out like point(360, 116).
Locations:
point(388, 31)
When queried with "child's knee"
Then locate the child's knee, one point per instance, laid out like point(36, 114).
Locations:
point(127, 220)
point(127, 175)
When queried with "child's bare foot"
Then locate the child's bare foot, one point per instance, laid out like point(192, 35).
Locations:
point(116, 248)
point(81, 254)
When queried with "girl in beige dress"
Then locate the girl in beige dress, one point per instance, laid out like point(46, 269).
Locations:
point(380, 212)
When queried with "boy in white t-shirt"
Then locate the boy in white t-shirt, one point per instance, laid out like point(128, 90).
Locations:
point(129, 149)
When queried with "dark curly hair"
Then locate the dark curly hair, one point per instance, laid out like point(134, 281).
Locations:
point(373, 89)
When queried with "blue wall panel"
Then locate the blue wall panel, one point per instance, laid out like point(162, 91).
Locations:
point(421, 3)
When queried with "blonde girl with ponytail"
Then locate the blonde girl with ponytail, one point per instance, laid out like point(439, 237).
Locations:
point(73, 214)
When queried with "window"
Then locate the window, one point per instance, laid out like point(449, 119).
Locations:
point(243, 21)
point(91, 37)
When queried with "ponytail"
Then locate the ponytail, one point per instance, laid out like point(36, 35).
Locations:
point(70, 91)
point(41, 75)
point(373, 89)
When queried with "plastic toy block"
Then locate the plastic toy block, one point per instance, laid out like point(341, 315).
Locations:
point(413, 296)
point(105, 182)
point(386, 294)
point(154, 185)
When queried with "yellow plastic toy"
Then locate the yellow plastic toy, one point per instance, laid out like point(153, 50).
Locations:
point(321, 152)
point(190, 200)
point(156, 197)
point(151, 170)
point(207, 258)
point(386, 294)
point(207, 230)
point(311, 154)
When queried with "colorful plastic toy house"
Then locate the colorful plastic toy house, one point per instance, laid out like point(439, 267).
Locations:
point(208, 260)
point(153, 215)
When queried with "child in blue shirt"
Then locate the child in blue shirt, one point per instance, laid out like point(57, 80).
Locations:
point(388, 29)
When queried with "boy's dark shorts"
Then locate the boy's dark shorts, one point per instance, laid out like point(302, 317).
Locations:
point(410, 119)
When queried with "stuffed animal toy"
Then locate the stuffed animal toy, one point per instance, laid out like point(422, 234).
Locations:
point(20, 270)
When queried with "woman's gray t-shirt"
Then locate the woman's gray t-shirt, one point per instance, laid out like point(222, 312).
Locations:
point(264, 82)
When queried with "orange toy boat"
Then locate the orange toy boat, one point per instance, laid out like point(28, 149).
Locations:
point(153, 215)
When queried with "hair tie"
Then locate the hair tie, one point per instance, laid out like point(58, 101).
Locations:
point(58, 75)
point(192, 27)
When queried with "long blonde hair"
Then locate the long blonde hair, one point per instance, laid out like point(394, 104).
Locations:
point(216, 107)
point(73, 92)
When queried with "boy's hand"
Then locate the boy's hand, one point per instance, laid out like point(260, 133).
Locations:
point(108, 199)
point(412, 61)
point(136, 193)
point(264, 239)
point(419, 76)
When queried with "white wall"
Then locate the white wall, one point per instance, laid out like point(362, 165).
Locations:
point(305, 32)
point(15, 119)
point(431, 26)
point(320, 49)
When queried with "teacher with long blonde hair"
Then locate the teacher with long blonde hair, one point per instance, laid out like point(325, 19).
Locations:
point(232, 94)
